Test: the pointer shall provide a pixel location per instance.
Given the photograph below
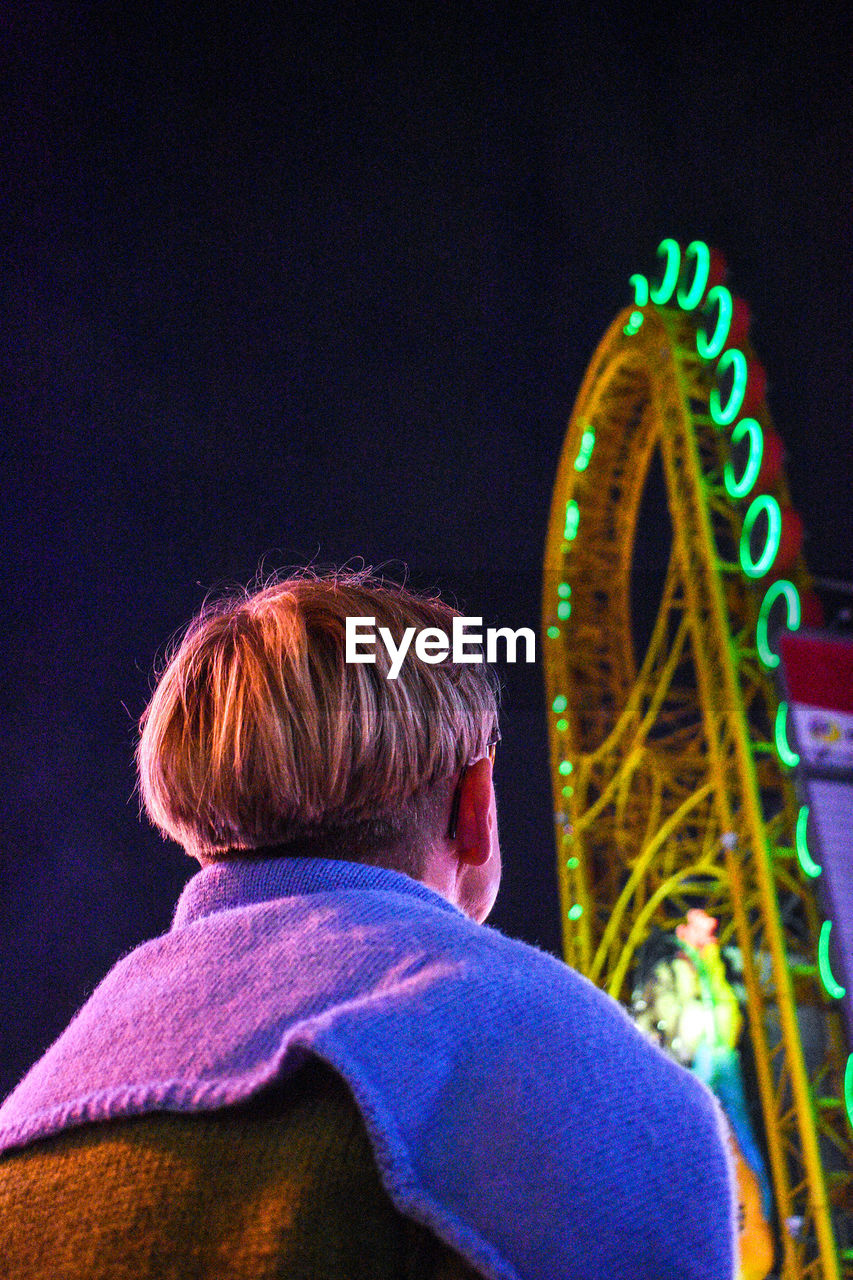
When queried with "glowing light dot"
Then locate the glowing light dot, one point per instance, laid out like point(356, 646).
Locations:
point(564, 590)
point(553, 633)
point(566, 767)
point(572, 862)
point(585, 451)
point(559, 704)
point(567, 791)
point(562, 726)
point(576, 911)
point(573, 516)
point(564, 609)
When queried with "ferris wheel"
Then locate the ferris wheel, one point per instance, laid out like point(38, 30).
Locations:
point(672, 772)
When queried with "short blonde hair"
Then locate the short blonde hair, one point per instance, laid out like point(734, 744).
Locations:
point(259, 732)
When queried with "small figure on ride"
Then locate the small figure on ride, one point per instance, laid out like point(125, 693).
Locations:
point(684, 1002)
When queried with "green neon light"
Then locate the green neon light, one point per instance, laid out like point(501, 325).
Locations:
point(758, 568)
point(782, 587)
point(566, 767)
point(848, 1089)
point(559, 704)
point(805, 859)
point(709, 349)
point(562, 726)
point(564, 590)
point(740, 488)
point(567, 791)
point(576, 911)
point(572, 862)
point(689, 299)
point(640, 285)
point(723, 416)
point(788, 756)
point(664, 291)
point(573, 516)
point(564, 609)
point(831, 986)
point(585, 451)
point(553, 633)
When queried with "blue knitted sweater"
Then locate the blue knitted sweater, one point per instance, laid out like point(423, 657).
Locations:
point(512, 1107)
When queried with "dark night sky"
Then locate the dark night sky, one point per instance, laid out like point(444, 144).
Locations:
point(321, 288)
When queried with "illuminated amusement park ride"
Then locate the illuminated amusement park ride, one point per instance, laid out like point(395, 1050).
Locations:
point(674, 776)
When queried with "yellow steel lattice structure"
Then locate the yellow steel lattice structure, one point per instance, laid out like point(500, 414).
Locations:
point(669, 790)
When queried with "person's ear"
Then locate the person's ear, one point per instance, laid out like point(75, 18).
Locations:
point(476, 815)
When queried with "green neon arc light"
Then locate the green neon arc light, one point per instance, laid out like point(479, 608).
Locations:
point(758, 567)
point(785, 752)
point(689, 299)
point(781, 587)
point(671, 250)
point(831, 986)
point(735, 360)
point(805, 859)
point(710, 348)
point(740, 488)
